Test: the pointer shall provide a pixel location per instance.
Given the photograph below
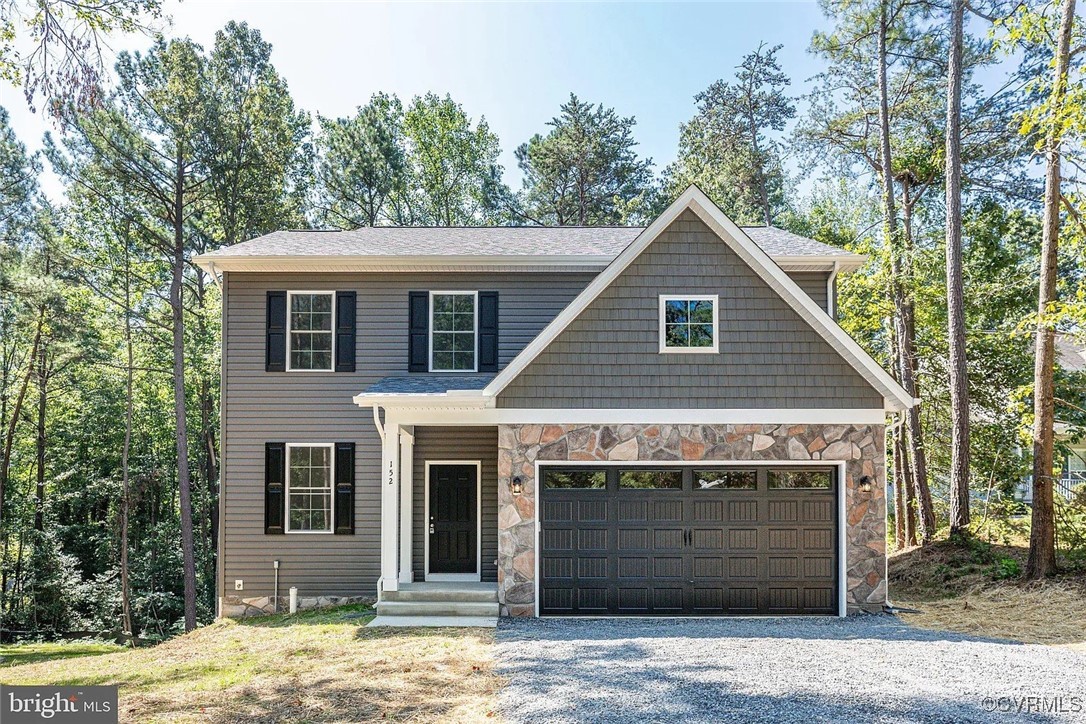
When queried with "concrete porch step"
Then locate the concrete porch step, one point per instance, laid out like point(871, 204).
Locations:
point(442, 608)
point(435, 621)
point(462, 593)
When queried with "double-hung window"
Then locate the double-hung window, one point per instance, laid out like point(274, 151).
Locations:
point(454, 326)
point(310, 333)
point(689, 323)
point(309, 488)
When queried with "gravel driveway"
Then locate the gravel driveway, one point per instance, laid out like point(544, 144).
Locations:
point(860, 669)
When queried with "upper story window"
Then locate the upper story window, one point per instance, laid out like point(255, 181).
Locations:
point(310, 332)
point(309, 488)
point(688, 323)
point(453, 329)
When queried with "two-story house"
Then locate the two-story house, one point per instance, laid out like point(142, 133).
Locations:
point(550, 421)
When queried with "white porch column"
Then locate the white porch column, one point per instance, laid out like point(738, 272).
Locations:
point(390, 507)
point(407, 480)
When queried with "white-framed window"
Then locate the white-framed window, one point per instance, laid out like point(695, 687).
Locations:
point(689, 323)
point(454, 328)
point(310, 331)
point(309, 488)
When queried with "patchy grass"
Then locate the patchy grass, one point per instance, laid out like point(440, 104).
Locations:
point(30, 653)
point(975, 587)
point(322, 666)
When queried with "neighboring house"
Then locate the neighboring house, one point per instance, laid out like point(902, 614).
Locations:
point(1071, 356)
point(654, 421)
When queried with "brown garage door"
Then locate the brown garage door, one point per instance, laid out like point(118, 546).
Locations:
point(694, 540)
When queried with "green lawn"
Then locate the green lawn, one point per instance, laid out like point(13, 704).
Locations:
point(318, 666)
point(17, 654)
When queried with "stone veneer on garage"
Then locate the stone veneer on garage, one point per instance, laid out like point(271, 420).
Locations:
point(861, 447)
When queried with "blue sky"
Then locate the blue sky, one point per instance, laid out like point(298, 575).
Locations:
point(513, 63)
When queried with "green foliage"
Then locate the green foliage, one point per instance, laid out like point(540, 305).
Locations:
point(724, 149)
point(585, 171)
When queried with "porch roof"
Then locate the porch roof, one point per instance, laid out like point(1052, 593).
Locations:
point(429, 384)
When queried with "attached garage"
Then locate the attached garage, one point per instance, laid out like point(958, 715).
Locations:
point(703, 539)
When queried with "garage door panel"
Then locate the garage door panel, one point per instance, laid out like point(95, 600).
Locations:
point(643, 550)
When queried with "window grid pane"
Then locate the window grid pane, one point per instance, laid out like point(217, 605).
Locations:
point(310, 484)
point(688, 323)
point(311, 331)
point(453, 337)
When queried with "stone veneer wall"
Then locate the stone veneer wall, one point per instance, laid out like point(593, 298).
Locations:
point(238, 607)
point(860, 446)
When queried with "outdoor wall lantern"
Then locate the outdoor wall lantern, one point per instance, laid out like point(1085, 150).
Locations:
point(517, 486)
point(865, 484)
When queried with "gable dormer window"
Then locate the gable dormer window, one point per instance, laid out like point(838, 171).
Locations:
point(688, 323)
point(453, 329)
point(310, 334)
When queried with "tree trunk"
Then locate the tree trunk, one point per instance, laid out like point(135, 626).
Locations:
point(184, 480)
point(904, 321)
point(959, 381)
point(39, 444)
point(126, 599)
point(16, 411)
point(1042, 539)
point(899, 493)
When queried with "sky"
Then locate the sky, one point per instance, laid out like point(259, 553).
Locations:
point(514, 63)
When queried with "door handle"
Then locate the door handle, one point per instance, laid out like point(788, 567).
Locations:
point(431, 529)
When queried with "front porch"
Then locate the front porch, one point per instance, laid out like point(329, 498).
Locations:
point(440, 603)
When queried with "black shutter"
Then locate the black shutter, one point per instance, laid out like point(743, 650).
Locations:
point(275, 471)
point(488, 331)
point(418, 344)
point(345, 325)
point(275, 356)
point(344, 500)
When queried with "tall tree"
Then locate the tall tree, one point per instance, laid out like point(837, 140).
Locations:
point(724, 148)
point(1055, 119)
point(585, 171)
point(362, 166)
point(959, 380)
point(146, 139)
point(453, 164)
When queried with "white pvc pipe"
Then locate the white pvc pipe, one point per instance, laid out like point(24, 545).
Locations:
point(294, 599)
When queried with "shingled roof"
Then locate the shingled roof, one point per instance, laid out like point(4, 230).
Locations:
point(597, 242)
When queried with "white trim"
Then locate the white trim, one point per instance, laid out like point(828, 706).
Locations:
point(407, 483)
point(475, 330)
point(453, 413)
point(714, 298)
point(478, 575)
point(839, 491)
point(390, 504)
point(693, 198)
point(331, 447)
point(331, 332)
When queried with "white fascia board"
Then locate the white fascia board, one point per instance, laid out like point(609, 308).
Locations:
point(459, 399)
point(693, 198)
point(456, 414)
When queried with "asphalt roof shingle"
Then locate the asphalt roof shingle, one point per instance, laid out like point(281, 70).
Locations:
point(489, 241)
point(427, 384)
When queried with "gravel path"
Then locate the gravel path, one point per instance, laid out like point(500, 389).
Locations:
point(860, 669)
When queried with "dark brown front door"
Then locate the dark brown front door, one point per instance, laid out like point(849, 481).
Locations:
point(453, 524)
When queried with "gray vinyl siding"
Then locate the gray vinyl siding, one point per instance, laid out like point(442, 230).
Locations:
point(450, 444)
point(769, 356)
point(299, 407)
point(814, 283)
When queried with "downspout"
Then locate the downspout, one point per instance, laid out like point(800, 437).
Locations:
point(377, 421)
point(831, 289)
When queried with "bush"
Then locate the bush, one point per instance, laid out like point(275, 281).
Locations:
point(1005, 568)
